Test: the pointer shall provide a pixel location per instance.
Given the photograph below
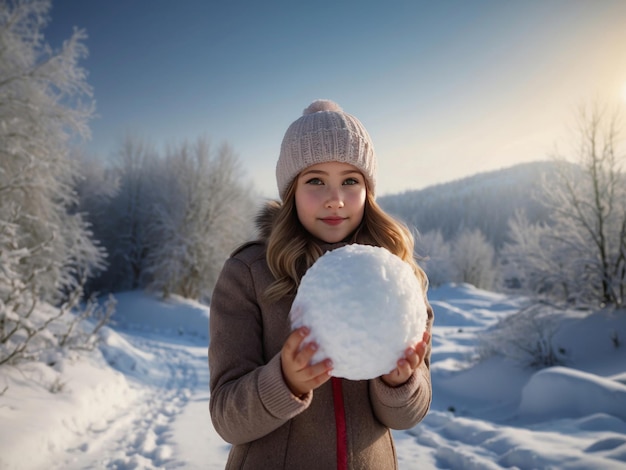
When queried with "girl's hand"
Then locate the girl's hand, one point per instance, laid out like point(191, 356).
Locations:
point(412, 359)
point(301, 376)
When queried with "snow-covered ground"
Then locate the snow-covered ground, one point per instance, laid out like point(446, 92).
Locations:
point(141, 401)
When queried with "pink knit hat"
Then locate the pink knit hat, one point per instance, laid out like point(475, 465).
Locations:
point(325, 133)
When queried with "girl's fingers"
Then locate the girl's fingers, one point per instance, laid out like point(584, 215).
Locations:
point(303, 380)
point(316, 370)
point(292, 345)
point(321, 368)
point(426, 337)
point(404, 366)
point(412, 357)
point(420, 350)
point(305, 354)
point(316, 375)
point(399, 375)
point(302, 376)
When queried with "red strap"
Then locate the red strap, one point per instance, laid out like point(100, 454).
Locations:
point(340, 425)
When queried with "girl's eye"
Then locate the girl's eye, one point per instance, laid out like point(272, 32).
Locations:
point(351, 181)
point(316, 181)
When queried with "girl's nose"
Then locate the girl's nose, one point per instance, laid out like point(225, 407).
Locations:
point(335, 199)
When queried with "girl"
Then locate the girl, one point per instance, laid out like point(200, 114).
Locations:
point(277, 409)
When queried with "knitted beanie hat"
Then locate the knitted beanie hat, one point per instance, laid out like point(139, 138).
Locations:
point(325, 133)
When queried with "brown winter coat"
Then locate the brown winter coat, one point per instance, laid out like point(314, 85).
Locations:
point(251, 405)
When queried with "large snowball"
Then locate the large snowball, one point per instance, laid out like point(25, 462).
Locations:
point(364, 307)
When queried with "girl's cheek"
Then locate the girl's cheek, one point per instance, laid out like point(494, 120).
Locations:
point(358, 198)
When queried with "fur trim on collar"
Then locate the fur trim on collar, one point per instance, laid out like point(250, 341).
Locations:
point(264, 220)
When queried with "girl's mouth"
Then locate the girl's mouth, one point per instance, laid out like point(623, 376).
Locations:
point(332, 220)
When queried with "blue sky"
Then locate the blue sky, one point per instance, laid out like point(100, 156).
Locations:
point(446, 88)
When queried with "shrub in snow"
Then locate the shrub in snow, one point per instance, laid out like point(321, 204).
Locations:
point(525, 337)
point(364, 307)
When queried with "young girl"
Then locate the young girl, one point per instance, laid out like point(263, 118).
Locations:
point(279, 410)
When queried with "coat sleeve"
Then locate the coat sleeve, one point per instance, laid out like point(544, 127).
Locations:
point(249, 398)
point(404, 406)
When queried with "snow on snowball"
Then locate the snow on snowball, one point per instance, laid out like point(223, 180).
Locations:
point(364, 307)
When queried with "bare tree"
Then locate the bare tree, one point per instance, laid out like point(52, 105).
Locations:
point(579, 256)
point(473, 259)
point(588, 202)
point(437, 254)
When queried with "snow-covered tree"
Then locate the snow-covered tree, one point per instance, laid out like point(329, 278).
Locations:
point(203, 211)
point(437, 256)
point(167, 222)
point(45, 102)
point(123, 219)
point(534, 261)
point(41, 109)
point(46, 246)
point(473, 258)
point(96, 187)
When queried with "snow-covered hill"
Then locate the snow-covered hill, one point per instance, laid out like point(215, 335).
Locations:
point(482, 201)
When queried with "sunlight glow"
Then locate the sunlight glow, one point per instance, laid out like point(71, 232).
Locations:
point(623, 94)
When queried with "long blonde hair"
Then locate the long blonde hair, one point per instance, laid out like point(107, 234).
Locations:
point(291, 249)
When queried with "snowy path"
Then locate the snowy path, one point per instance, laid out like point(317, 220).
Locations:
point(154, 430)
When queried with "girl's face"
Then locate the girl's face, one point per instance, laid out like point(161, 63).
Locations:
point(330, 200)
